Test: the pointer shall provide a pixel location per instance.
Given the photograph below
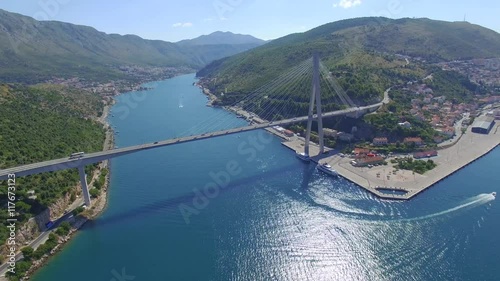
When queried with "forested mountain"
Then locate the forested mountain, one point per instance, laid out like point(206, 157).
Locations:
point(366, 54)
point(34, 51)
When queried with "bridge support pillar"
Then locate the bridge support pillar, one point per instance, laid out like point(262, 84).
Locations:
point(85, 188)
point(309, 124)
point(315, 95)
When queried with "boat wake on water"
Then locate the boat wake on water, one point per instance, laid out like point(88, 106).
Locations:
point(181, 104)
point(470, 203)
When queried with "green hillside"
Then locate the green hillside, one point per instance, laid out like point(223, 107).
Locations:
point(40, 123)
point(34, 51)
point(360, 52)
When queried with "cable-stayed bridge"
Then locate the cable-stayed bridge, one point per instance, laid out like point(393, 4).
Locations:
point(284, 101)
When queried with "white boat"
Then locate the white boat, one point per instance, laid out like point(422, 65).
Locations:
point(325, 167)
point(302, 156)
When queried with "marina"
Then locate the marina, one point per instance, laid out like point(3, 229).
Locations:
point(403, 184)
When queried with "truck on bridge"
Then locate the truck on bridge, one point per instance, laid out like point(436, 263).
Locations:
point(76, 155)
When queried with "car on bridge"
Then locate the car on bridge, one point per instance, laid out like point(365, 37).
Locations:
point(155, 142)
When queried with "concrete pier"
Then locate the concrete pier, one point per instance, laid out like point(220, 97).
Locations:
point(297, 144)
point(469, 148)
point(85, 188)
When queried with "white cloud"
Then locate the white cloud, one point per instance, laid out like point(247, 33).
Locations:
point(182, 24)
point(346, 4)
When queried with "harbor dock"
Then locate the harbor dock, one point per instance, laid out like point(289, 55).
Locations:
point(387, 182)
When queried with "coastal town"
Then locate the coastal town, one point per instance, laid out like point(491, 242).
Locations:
point(138, 75)
point(464, 132)
point(385, 174)
point(150, 146)
point(480, 71)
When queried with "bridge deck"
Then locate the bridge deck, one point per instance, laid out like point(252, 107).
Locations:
point(90, 158)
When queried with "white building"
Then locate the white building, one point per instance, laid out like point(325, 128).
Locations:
point(405, 124)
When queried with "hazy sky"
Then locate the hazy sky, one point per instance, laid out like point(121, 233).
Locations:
point(267, 19)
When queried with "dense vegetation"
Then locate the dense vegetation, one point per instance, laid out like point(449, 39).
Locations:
point(386, 124)
point(33, 50)
point(453, 85)
point(41, 123)
point(417, 166)
point(63, 229)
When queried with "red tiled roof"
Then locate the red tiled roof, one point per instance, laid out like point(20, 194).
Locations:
point(368, 160)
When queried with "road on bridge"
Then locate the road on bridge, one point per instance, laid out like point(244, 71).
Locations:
point(66, 163)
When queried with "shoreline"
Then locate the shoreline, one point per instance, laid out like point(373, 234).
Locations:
point(250, 117)
point(370, 181)
point(98, 205)
point(211, 97)
point(470, 148)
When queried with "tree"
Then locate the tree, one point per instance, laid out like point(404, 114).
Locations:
point(52, 237)
point(22, 206)
point(65, 225)
point(21, 268)
point(27, 253)
point(72, 197)
point(63, 229)
point(97, 184)
point(78, 210)
point(94, 192)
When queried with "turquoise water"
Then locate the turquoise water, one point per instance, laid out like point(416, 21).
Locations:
point(275, 219)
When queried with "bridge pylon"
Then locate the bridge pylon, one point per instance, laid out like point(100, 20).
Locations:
point(85, 187)
point(315, 95)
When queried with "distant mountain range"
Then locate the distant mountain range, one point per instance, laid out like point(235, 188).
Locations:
point(362, 52)
point(33, 51)
point(222, 38)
